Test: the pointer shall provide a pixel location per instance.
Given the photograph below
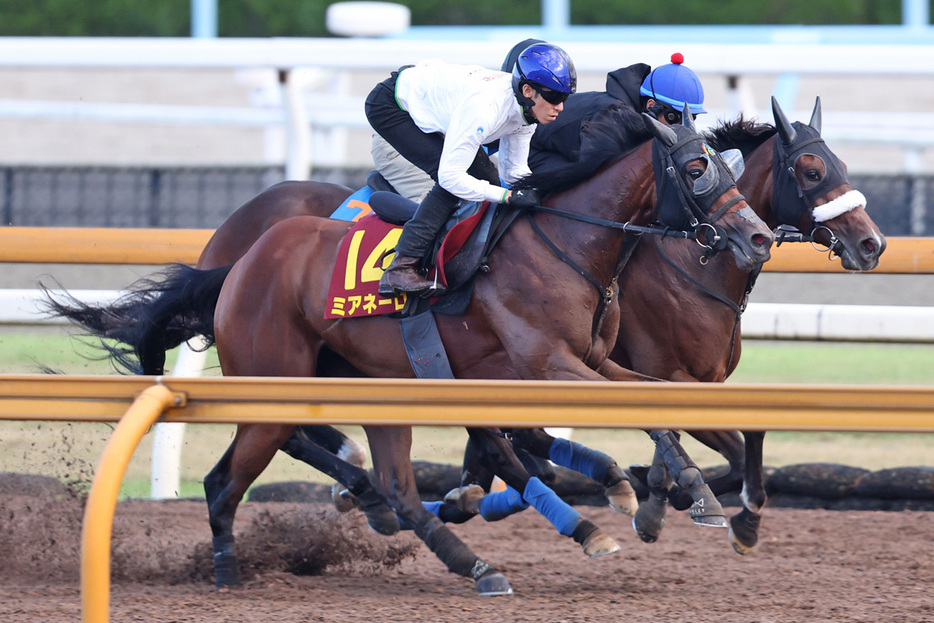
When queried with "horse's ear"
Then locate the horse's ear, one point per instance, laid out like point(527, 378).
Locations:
point(687, 119)
point(785, 131)
point(662, 132)
point(815, 121)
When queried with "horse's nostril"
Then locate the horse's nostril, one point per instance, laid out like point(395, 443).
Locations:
point(869, 245)
point(761, 240)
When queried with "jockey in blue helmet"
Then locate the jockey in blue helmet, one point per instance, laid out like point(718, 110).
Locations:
point(668, 88)
point(595, 125)
point(438, 116)
point(549, 71)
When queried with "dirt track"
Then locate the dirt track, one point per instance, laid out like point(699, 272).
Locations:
point(810, 566)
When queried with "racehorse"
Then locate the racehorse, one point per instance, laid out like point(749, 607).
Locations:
point(805, 192)
point(691, 331)
point(532, 316)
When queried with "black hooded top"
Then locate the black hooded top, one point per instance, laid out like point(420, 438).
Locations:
point(566, 139)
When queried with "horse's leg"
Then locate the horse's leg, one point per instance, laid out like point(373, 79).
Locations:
point(379, 516)
point(730, 444)
point(497, 452)
point(744, 526)
point(248, 455)
point(390, 448)
point(593, 464)
point(338, 444)
point(706, 509)
point(650, 518)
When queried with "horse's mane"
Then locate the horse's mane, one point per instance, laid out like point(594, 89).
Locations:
point(625, 125)
point(742, 134)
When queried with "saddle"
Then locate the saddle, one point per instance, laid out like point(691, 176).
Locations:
point(462, 248)
point(460, 251)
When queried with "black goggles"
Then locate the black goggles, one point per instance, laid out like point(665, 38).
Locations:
point(673, 116)
point(551, 96)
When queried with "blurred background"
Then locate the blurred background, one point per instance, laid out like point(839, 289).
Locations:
point(138, 127)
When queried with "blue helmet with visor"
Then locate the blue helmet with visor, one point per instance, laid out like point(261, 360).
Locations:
point(546, 68)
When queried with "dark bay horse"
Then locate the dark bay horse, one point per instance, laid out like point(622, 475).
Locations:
point(779, 198)
point(532, 316)
point(809, 190)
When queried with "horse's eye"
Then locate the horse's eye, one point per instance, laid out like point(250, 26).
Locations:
point(813, 175)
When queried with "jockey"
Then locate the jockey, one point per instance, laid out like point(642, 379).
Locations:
point(661, 92)
point(438, 116)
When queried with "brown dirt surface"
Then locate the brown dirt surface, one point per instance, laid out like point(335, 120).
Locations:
point(305, 562)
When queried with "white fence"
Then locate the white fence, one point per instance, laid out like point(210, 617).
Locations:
point(305, 63)
point(769, 321)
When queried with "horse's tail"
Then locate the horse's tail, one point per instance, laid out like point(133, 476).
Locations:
point(156, 315)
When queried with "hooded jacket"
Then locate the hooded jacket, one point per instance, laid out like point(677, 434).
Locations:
point(560, 142)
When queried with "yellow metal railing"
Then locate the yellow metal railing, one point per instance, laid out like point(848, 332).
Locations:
point(93, 245)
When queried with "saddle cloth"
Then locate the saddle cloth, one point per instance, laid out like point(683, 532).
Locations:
point(363, 255)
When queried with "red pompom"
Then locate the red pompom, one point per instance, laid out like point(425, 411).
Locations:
point(677, 58)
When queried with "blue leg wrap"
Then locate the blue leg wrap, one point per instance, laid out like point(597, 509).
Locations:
point(501, 504)
point(581, 459)
point(433, 507)
point(551, 507)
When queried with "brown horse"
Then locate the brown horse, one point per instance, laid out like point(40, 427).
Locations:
point(701, 306)
point(780, 199)
point(532, 316)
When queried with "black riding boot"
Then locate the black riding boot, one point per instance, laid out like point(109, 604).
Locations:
point(418, 236)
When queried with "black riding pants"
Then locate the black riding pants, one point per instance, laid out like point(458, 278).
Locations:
point(424, 151)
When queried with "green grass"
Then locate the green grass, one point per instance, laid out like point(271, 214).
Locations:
point(70, 450)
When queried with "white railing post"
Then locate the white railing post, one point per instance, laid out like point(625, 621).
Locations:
point(167, 441)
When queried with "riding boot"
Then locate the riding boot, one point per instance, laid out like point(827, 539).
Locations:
point(403, 275)
point(418, 236)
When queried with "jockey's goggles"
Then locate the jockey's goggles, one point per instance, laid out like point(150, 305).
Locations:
point(551, 96)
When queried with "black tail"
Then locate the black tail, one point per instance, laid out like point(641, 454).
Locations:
point(156, 315)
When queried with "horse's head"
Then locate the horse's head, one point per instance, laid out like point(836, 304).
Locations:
point(811, 191)
point(696, 188)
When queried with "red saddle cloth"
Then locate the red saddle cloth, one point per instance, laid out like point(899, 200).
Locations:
point(354, 289)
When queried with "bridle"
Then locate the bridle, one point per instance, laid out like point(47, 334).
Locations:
point(790, 200)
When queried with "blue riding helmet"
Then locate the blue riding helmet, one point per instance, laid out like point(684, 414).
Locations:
point(675, 85)
point(547, 66)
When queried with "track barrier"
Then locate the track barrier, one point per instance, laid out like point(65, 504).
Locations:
point(102, 245)
point(136, 403)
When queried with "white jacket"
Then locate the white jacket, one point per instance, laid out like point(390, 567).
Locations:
point(471, 106)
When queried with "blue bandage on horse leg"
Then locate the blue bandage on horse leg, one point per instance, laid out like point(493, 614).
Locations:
point(551, 507)
point(580, 458)
point(501, 504)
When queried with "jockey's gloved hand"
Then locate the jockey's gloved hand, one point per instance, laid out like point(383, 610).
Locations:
point(525, 198)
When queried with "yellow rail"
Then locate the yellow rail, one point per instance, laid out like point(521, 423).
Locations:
point(70, 245)
point(479, 403)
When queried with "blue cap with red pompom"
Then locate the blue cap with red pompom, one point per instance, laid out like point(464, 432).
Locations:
point(675, 85)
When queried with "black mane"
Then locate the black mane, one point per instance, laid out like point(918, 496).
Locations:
point(742, 134)
point(628, 128)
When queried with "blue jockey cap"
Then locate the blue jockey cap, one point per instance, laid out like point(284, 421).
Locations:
point(675, 85)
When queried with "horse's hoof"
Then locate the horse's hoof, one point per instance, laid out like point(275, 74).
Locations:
point(650, 518)
point(226, 571)
point(744, 531)
point(706, 509)
point(466, 499)
point(622, 497)
point(343, 499)
point(493, 584)
point(382, 520)
point(599, 544)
